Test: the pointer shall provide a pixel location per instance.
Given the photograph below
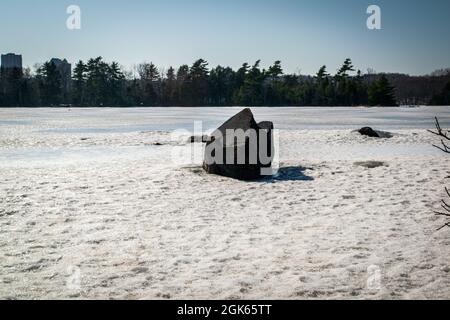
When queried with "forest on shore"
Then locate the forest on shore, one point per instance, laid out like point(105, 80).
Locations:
point(97, 83)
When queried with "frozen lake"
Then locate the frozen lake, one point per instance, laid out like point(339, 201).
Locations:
point(104, 120)
point(93, 205)
point(56, 135)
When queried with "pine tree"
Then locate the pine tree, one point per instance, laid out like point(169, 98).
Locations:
point(381, 93)
point(183, 87)
point(442, 99)
point(79, 83)
point(168, 97)
point(275, 70)
point(323, 94)
point(116, 80)
point(251, 92)
point(50, 84)
point(346, 68)
point(322, 74)
point(198, 81)
point(97, 82)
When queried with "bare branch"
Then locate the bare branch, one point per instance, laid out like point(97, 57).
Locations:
point(445, 135)
point(445, 225)
point(442, 214)
point(445, 206)
point(440, 132)
point(445, 149)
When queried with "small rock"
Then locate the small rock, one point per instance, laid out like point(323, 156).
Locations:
point(7, 280)
point(446, 269)
point(140, 270)
point(370, 164)
point(199, 139)
point(369, 132)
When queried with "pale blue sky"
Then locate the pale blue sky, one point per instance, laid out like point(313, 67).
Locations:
point(302, 34)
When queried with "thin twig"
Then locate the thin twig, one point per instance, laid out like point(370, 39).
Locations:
point(439, 132)
point(442, 214)
point(445, 149)
point(445, 225)
point(445, 206)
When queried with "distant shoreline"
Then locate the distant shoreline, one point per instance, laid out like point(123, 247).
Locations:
point(201, 107)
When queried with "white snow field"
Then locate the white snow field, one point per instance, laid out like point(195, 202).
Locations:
point(91, 208)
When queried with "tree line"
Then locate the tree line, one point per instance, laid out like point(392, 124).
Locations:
point(98, 83)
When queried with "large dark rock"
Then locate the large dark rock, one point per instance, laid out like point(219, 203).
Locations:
point(369, 132)
point(235, 148)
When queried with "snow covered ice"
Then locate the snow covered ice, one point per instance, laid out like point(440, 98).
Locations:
point(91, 207)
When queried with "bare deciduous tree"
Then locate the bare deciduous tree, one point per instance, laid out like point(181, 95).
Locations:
point(445, 137)
point(445, 147)
point(446, 207)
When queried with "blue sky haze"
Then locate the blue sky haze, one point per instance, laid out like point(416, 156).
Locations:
point(302, 34)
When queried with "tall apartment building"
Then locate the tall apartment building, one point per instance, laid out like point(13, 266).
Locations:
point(11, 61)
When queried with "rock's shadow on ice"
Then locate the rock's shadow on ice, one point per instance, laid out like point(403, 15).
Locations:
point(385, 134)
point(196, 170)
point(289, 174)
point(293, 173)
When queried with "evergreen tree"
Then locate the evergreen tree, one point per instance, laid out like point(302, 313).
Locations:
point(150, 78)
point(50, 84)
point(198, 76)
point(251, 92)
point(360, 95)
point(381, 93)
point(322, 74)
point(344, 85)
point(442, 99)
point(116, 80)
point(346, 68)
point(148, 72)
point(97, 82)
point(274, 90)
point(171, 77)
point(324, 92)
point(275, 71)
point(168, 97)
point(79, 83)
point(221, 86)
point(183, 86)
